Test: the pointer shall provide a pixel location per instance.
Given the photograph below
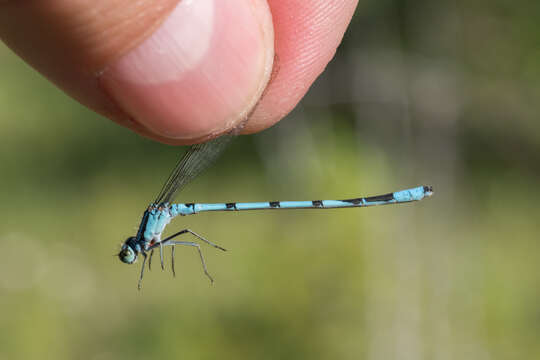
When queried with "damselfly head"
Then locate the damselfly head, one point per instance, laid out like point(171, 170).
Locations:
point(128, 254)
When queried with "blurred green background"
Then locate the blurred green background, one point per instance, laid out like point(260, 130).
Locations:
point(442, 93)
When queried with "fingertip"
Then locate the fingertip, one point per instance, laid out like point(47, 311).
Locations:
point(199, 73)
point(307, 34)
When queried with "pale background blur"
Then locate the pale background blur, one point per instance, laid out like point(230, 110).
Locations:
point(443, 93)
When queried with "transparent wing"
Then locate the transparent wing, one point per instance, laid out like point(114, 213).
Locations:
point(196, 159)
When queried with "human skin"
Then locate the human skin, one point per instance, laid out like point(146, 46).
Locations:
point(179, 72)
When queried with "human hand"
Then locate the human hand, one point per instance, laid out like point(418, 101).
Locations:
point(179, 71)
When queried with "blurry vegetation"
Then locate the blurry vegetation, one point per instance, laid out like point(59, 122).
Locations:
point(441, 93)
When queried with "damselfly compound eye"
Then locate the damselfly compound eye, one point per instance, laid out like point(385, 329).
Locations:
point(127, 255)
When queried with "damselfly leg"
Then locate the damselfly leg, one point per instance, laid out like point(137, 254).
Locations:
point(186, 231)
point(169, 242)
point(160, 257)
point(150, 260)
point(142, 270)
point(189, 243)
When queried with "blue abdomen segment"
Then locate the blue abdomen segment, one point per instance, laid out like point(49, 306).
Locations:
point(182, 209)
point(414, 194)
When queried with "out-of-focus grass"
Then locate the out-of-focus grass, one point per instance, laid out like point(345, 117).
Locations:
point(455, 276)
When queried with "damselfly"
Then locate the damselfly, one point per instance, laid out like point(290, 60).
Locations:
point(197, 158)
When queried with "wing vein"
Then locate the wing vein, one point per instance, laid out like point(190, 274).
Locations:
point(195, 160)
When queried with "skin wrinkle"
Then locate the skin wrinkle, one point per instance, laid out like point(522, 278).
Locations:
point(122, 44)
point(93, 38)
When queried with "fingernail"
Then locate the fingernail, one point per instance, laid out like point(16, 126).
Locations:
point(199, 73)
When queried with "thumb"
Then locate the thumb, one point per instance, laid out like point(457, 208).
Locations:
point(175, 71)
